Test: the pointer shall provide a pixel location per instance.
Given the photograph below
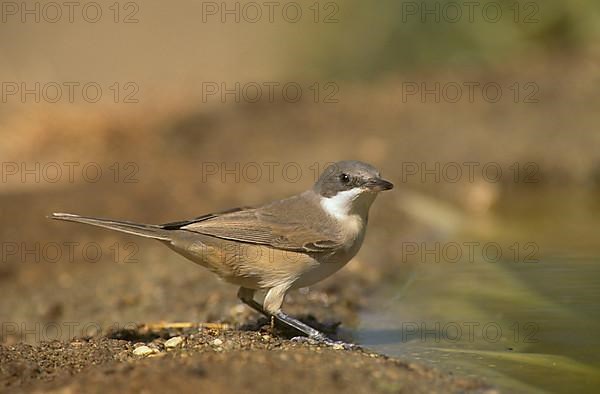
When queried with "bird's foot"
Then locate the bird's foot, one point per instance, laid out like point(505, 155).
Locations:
point(323, 340)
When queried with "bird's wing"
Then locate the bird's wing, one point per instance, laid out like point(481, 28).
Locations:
point(182, 223)
point(272, 225)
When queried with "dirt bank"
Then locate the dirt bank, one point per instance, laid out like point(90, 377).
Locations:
point(212, 360)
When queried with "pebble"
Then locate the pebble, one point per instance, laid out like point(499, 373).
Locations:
point(173, 342)
point(143, 351)
point(217, 342)
point(238, 309)
point(338, 346)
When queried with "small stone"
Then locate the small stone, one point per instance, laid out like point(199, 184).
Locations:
point(173, 342)
point(217, 342)
point(338, 346)
point(143, 351)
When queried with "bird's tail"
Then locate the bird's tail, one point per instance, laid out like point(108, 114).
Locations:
point(143, 230)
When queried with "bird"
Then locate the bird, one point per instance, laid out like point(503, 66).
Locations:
point(286, 244)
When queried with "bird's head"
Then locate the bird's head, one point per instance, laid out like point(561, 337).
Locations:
point(348, 187)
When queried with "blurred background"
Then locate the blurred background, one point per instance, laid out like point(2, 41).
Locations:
point(484, 115)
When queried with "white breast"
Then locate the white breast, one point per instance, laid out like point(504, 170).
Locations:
point(350, 207)
point(340, 205)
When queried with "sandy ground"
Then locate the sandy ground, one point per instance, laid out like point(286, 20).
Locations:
point(212, 360)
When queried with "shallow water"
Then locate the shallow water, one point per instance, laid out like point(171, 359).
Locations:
point(527, 320)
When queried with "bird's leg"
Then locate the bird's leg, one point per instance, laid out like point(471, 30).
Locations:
point(272, 305)
point(304, 328)
point(272, 309)
point(247, 297)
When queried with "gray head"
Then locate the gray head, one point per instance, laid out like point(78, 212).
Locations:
point(350, 175)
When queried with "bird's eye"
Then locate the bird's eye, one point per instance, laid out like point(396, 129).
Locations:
point(345, 178)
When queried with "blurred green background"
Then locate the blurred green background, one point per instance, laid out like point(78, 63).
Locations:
point(399, 36)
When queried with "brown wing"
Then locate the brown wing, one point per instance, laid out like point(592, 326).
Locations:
point(182, 223)
point(292, 224)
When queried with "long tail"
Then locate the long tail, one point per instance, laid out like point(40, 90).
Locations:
point(143, 230)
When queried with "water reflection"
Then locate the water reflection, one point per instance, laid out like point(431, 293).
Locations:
point(523, 326)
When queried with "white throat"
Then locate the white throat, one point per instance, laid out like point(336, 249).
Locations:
point(350, 202)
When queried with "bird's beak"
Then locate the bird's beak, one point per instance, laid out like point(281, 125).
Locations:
point(378, 184)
